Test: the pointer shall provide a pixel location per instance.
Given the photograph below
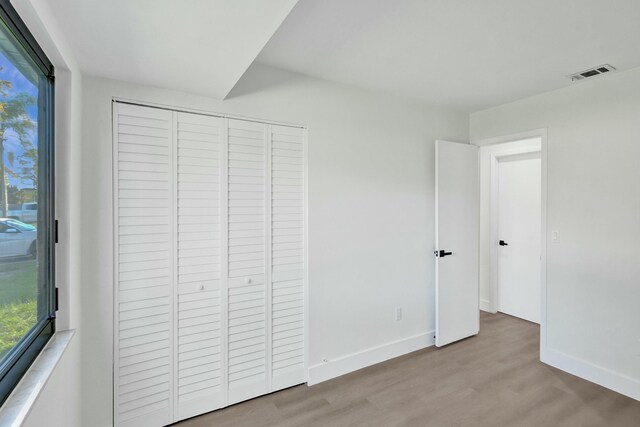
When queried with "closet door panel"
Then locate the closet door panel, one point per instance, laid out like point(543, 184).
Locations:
point(247, 303)
point(143, 359)
point(287, 257)
point(199, 286)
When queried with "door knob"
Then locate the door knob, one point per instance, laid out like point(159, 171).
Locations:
point(442, 254)
point(503, 243)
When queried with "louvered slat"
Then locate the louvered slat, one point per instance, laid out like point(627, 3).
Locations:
point(199, 349)
point(247, 334)
point(287, 259)
point(143, 354)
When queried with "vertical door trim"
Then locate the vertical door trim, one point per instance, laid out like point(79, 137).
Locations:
point(543, 247)
point(116, 263)
point(173, 298)
point(173, 196)
point(268, 231)
point(224, 259)
point(305, 249)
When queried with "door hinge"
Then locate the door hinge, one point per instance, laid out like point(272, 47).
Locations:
point(56, 299)
point(55, 231)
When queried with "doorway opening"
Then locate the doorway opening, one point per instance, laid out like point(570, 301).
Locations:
point(518, 269)
point(512, 226)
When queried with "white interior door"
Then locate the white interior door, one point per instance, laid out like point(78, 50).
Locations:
point(199, 366)
point(519, 222)
point(457, 241)
point(143, 257)
point(249, 305)
point(287, 257)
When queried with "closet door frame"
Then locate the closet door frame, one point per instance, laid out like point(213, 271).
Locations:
point(268, 251)
point(224, 255)
point(174, 254)
point(307, 309)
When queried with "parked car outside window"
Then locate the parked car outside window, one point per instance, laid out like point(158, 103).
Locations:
point(17, 238)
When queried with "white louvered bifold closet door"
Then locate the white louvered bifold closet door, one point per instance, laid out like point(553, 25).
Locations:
point(247, 301)
point(143, 251)
point(199, 370)
point(210, 262)
point(288, 256)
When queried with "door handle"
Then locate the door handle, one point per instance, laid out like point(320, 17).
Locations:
point(503, 243)
point(442, 254)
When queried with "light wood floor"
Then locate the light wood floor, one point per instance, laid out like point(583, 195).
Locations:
point(494, 379)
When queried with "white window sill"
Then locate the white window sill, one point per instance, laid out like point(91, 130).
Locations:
point(15, 409)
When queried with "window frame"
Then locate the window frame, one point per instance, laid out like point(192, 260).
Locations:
point(20, 358)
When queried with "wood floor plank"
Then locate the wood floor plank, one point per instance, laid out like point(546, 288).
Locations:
point(493, 379)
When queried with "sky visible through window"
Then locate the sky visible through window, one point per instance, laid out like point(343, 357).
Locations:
point(19, 84)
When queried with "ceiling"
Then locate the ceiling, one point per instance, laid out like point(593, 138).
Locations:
point(462, 54)
point(198, 46)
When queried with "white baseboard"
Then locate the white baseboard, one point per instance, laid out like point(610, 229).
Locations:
point(485, 305)
point(591, 372)
point(354, 361)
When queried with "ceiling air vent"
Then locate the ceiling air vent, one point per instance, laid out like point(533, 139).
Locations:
point(602, 69)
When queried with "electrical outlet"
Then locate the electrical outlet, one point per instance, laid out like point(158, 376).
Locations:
point(398, 313)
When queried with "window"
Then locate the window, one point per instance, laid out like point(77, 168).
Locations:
point(27, 290)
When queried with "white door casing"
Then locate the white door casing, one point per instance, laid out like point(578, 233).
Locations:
point(457, 231)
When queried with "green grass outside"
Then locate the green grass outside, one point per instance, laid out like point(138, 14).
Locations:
point(17, 282)
point(18, 307)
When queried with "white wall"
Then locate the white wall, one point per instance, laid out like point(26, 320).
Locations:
point(371, 212)
point(59, 402)
point(593, 290)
